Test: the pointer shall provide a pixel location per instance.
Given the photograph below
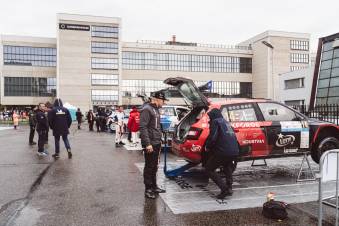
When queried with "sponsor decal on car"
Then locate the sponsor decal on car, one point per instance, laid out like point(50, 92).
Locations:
point(250, 124)
point(290, 150)
point(195, 148)
point(260, 141)
point(284, 140)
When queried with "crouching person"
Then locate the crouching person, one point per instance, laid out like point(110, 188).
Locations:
point(223, 150)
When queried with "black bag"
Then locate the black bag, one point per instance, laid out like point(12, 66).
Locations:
point(275, 210)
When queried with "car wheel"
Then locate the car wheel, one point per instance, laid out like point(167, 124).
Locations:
point(112, 127)
point(325, 144)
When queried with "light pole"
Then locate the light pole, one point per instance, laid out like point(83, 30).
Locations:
point(269, 45)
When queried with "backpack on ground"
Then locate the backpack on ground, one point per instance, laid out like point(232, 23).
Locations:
point(275, 210)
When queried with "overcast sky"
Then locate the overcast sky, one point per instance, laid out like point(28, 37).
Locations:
point(210, 21)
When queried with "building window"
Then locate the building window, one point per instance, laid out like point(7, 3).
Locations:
point(295, 68)
point(294, 102)
point(131, 88)
point(294, 83)
point(105, 47)
point(105, 95)
point(105, 79)
point(185, 62)
point(30, 86)
point(105, 32)
point(104, 63)
point(29, 56)
point(299, 45)
point(299, 58)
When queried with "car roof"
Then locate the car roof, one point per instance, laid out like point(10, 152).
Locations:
point(237, 101)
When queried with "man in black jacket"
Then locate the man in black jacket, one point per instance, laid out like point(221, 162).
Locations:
point(150, 134)
point(79, 116)
point(41, 128)
point(60, 120)
point(32, 125)
point(223, 150)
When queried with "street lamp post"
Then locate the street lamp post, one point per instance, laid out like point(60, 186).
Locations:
point(270, 46)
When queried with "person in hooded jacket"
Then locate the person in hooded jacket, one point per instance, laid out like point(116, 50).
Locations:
point(79, 116)
point(60, 120)
point(223, 150)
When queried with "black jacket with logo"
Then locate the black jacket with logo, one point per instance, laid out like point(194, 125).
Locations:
point(59, 119)
point(150, 128)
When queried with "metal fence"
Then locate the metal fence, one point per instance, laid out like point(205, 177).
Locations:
point(328, 113)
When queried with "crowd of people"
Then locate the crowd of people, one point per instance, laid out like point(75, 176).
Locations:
point(221, 143)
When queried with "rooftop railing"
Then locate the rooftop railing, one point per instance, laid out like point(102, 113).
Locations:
point(193, 44)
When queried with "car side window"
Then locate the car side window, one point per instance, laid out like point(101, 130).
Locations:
point(239, 112)
point(168, 111)
point(276, 112)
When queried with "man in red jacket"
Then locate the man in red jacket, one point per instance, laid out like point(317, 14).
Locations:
point(133, 124)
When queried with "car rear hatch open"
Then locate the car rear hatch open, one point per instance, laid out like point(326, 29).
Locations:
point(196, 99)
point(189, 91)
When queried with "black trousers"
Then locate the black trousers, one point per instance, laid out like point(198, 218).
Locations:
point(90, 125)
point(42, 140)
point(151, 167)
point(215, 161)
point(31, 133)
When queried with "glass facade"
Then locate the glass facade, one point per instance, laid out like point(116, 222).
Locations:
point(29, 56)
point(29, 86)
point(185, 62)
point(105, 95)
point(105, 32)
point(328, 81)
point(104, 63)
point(105, 79)
point(130, 88)
point(105, 47)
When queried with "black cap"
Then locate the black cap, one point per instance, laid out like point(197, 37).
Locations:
point(159, 95)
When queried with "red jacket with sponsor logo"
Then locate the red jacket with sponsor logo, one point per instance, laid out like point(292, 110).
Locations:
point(133, 121)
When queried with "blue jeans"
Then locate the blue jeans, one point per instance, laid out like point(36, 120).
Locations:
point(57, 143)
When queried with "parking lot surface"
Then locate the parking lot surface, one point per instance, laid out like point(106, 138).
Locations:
point(102, 185)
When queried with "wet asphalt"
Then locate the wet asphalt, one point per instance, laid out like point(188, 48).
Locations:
point(100, 186)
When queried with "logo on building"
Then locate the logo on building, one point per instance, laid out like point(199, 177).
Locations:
point(77, 27)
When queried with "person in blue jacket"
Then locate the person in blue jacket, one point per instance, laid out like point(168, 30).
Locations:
point(223, 150)
point(60, 120)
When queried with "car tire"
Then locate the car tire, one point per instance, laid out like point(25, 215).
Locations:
point(111, 127)
point(324, 144)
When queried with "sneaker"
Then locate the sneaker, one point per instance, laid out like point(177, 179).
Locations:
point(46, 152)
point(121, 143)
point(32, 143)
point(150, 194)
point(56, 155)
point(69, 154)
point(41, 153)
point(225, 193)
point(159, 190)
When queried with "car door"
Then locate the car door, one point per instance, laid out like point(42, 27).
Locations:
point(287, 131)
point(250, 133)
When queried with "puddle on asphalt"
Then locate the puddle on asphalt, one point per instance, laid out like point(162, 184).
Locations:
point(29, 216)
